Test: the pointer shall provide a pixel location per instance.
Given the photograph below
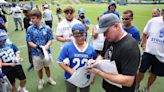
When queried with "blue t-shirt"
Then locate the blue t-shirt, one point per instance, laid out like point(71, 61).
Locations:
point(87, 21)
point(39, 36)
point(7, 55)
point(114, 12)
point(76, 57)
point(134, 32)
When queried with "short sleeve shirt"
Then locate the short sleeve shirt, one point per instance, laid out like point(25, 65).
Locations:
point(76, 57)
point(7, 55)
point(126, 54)
point(39, 36)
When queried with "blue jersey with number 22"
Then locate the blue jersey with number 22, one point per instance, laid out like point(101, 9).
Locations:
point(7, 54)
point(76, 57)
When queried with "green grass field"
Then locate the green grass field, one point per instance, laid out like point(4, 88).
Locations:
point(141, 15)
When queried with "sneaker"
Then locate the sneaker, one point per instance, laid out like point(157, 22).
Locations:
point(51, 81)
point(136, 88)
point(16, 29)
point(145, 90)
point(40, 84)
point(30, 68)
point(22, 89)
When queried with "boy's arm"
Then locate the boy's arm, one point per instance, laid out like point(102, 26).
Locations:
point(6, 64)
point(66, 68)
point(32, 45)
point(48, 44)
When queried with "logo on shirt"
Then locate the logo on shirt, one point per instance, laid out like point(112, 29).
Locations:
point(161, 35)
point(108, 53)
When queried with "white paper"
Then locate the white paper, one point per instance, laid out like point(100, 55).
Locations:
point(80, 78)
point(108, 67)
point(46, 55)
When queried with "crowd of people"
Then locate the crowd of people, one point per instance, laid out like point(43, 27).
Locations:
point(111, 40)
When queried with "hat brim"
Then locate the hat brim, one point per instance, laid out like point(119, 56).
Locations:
point(25, 9)
point(81, 12)
point(3, 38)
point(102, 30)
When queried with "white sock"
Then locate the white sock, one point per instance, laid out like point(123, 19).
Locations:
point(21, 88)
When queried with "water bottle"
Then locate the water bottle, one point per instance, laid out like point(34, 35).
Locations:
point(5, 85)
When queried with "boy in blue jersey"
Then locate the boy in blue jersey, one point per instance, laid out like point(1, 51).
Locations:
point(78, 52)
point(40, 36)
point(10, 59)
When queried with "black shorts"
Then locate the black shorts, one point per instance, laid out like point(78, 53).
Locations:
point(150, 61)
point(49, 23)
point(16, 72)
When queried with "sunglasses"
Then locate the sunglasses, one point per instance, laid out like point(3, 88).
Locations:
point(126, 18)
point(69, 13)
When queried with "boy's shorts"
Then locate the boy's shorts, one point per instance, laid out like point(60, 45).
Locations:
point(16, 72)
point(39, 63)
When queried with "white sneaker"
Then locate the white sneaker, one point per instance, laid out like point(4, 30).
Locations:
point(51, 81)
point(136, 89)
point(145, 90)
point(40, 84)
point(22, 89)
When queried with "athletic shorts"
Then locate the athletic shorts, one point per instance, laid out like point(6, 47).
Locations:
point(72, 88)
point(39, 63)
point(150, 61)
point(16, 72)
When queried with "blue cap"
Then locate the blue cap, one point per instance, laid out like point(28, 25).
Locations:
point(14, 4)
point(106, 21)
point(3, 35)
point(81, 10)
point(112, 3)
point(78, 28)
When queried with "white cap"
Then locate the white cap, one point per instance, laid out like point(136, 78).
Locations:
point(46, 6)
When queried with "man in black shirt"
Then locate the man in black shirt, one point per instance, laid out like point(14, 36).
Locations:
point(121, 48)
point(26, 22)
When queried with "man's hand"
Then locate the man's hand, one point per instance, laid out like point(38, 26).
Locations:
point(143, 46)
point(83, 20)
point(95, 71)
point(91, 63)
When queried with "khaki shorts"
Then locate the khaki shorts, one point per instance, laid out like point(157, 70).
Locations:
point(39, 63)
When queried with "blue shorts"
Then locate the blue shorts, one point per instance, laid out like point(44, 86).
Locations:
point(150, 61)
